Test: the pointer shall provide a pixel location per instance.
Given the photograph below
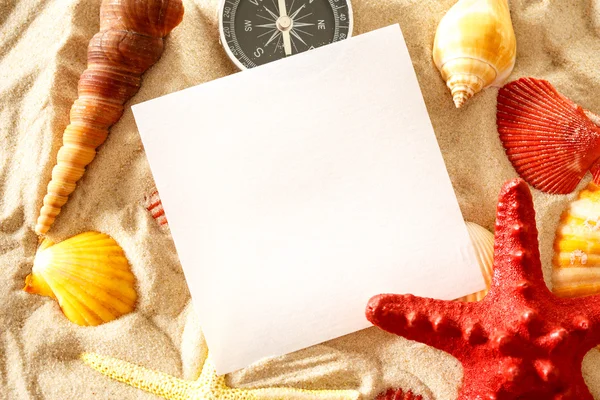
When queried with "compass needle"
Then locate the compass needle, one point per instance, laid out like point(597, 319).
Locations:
point(255, 32)
point(284, 24)
point(282, 8)
point(286, 43)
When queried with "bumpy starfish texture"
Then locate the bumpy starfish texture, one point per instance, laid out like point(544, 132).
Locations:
point(209, 386)
point(520, 341)
point(398, 394)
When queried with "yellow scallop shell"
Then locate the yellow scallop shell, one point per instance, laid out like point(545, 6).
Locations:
point(576, 262)
point(88, 275)
point(475, 47)
point(483, 243)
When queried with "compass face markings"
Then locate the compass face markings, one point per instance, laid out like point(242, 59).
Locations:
point(295, 14)
point(297, 36)
point(272, 38)
point(271, 25)
point(295, 48)
point(304, 16)
point(284, 27)
point(268, 19)
point(272, 13)
point(277, 45)
point(301, 24)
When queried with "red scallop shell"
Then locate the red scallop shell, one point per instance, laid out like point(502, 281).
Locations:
point(551, 141)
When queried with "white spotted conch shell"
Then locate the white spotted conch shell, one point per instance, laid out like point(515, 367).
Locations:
point(576, 262)
point(475, 47)
point(483, 243)
point(88, 275)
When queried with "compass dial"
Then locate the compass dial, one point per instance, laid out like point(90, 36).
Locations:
point(255, 32)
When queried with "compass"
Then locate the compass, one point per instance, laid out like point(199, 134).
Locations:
point(255, 32)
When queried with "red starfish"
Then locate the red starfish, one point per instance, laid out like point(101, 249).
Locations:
point(520, 341)
point(397, 394)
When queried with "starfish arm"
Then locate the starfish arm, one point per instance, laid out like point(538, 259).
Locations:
point(520, 341)
point(216, 385)
point(153, 382)
point(290, 393)
point(516, 254)
point(438, 323)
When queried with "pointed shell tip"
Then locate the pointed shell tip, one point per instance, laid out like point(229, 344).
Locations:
point(40, 229)
point(459, 99)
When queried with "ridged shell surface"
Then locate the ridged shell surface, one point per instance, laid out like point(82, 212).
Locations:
point(155, 207)
point(475, 47)
point(88, 275)
point(550, 140)
point(483, 243)
point(576, 262)
point(129, 42)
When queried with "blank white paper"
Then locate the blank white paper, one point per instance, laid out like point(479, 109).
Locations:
point(297, 190)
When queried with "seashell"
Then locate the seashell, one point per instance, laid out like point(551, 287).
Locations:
point(475, 47)
point(88, 275)
point(398, 394)
point(576, 262)
point(154, 205)
point(483, 242)
point(129, 42)
point(551, 141)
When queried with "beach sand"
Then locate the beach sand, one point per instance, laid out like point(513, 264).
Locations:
point(43, 47)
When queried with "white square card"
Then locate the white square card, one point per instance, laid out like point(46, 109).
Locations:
point(297, 190)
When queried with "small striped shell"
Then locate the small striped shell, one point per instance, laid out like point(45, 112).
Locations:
point(576, 262)
point(154, 205)
point(88, 275)
point(483, 243)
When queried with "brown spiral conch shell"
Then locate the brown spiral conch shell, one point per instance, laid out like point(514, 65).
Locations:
point(129, 42)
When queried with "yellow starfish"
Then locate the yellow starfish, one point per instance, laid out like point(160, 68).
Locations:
point(209, 386)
